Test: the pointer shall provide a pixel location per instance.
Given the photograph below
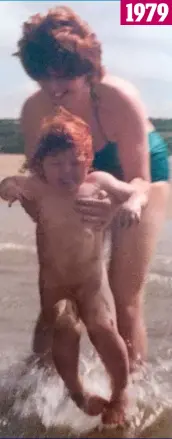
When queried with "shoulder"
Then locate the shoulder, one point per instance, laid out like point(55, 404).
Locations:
point(34, 189)
point(119, 96)
point(37, 184)
point(116, 85)
point(31, 104)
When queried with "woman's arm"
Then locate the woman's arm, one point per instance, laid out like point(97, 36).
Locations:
point(132, 139)
point(26, 128)
point(30, 123)
point(125, 123)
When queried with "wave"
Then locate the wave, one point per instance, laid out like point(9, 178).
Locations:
point(12, 246)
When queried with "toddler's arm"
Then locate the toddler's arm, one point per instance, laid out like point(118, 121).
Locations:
point(16, 188)
point(118, 190)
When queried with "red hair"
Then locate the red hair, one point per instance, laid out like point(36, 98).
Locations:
point(62, 43)
point(61, 132)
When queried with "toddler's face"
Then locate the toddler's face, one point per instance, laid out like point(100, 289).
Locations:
point(64, 170)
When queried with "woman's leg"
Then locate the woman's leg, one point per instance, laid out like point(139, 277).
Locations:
point(132, 251)
point(42, 338)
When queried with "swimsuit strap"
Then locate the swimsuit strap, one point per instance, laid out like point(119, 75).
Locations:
point(95, 101)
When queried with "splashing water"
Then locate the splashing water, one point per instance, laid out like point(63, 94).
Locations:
point(35, 402)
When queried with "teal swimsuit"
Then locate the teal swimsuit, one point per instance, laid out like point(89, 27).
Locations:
point(107, 159)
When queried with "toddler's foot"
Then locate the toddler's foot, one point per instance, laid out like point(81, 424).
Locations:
point(91, 405)
point(115, 413)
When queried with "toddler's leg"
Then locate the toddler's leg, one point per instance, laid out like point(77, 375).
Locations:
point(97, 310)
point(66, 340)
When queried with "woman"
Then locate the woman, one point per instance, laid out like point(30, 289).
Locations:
point(60, 52)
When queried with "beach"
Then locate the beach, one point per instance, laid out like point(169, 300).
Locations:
point(33, 401)
point(10, 164)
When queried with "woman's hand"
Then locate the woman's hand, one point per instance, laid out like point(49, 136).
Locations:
point(97, 212)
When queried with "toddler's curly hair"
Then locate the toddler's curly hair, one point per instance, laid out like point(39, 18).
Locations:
point(59, 133)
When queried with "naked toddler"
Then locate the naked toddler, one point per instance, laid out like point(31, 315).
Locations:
point(70, 255)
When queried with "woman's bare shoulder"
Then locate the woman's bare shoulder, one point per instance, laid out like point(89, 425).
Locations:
point(119, 84)
point(113, 90)
point(119, 101)
point(32, 103)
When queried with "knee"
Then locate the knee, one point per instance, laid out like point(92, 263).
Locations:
point(98, 327)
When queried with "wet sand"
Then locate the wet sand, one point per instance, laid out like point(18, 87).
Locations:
point(10, 164)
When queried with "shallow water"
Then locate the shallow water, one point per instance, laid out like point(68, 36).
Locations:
point(33, 401)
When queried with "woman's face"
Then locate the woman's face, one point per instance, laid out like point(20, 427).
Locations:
point(59, 88)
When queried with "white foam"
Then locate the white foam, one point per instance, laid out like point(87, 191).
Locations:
point(40, 393)
point(12, 246)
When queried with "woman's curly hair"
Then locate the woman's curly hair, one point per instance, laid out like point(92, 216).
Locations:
point(59, 133)
point(61, 43)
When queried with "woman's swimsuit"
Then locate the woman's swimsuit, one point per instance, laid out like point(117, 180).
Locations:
point(107, 159)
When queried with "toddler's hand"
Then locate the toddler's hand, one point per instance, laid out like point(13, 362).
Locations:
point(10, 191)
point(129, 213)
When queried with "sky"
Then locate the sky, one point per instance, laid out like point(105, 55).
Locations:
point(140, 54)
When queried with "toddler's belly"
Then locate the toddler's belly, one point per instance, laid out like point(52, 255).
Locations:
point(70, 261)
